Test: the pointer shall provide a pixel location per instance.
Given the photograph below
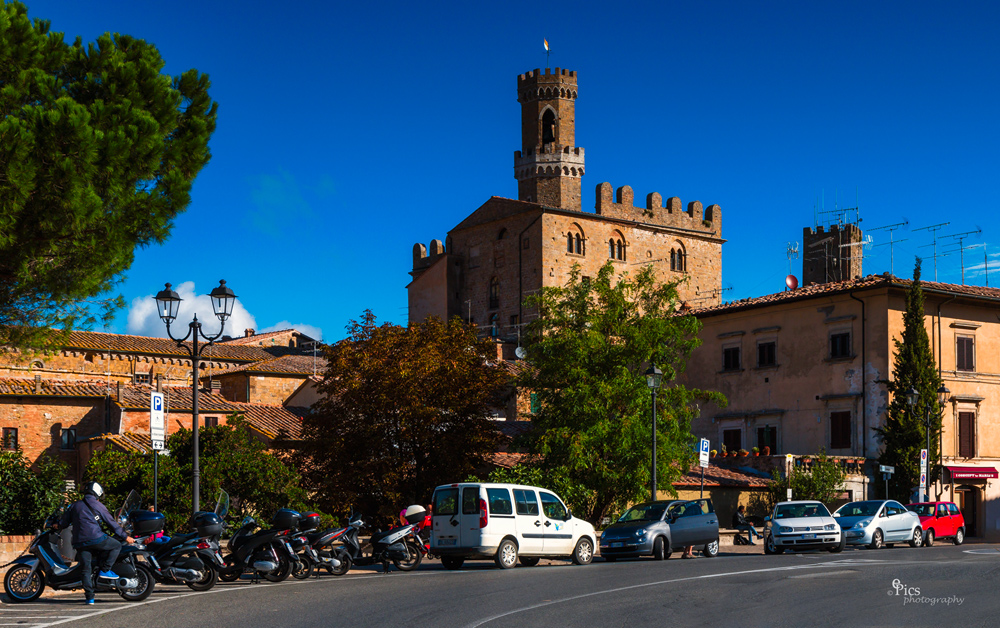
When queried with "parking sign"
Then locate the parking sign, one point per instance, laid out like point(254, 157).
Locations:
point(703, 452)
point(157, 431)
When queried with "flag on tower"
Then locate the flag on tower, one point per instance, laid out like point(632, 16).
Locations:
point(546, 41)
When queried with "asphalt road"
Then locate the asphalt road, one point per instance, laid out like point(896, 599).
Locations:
point(939, 586)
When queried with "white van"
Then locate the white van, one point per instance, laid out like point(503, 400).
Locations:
point(506, 522)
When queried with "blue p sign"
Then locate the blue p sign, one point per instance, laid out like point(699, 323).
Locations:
point(157, 403)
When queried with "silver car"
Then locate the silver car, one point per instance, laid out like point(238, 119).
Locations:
point(878, 523)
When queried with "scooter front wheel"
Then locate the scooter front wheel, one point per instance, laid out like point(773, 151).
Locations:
point(19, 587)
point(303, 568)
point(231, 572)
point(144, 588)
point(284, 570)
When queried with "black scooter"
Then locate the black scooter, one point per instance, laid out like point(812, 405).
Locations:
point(399, 545)
point(266, 553)
point(313, 550)
point(193, 558)
point(29, 575)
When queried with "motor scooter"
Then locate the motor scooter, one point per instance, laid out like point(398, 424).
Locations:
point(399, 545)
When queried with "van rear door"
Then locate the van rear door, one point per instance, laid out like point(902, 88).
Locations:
point(444, 519)
point(472, 532)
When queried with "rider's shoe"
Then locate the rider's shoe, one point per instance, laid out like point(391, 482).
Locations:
point(110, 575)
point(89, 602)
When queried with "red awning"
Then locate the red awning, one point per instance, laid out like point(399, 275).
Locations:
point(972, 473)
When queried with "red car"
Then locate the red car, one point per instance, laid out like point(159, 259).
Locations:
point(940, 520)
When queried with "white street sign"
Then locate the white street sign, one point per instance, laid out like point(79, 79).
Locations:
point(703, 452)
point(923, 461)
point(886, 469)
point(157, 425)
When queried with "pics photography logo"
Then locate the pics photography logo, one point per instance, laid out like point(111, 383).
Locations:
point(912, 595)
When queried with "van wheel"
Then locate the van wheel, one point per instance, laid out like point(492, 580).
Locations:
point(528, 561)
point(960, 536)
point(452, 562)
point(584, 552)
point(506, 556)
point(658, 553)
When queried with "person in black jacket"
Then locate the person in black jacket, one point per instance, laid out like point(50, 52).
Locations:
point(740, 523)
point(90, 540)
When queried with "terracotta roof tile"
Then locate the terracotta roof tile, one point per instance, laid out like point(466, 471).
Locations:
point(718, 476)
point(257, 338)
point(825, 289)
point(129, 441)
point(122, 343)
point(284, 365)
point(49, 388)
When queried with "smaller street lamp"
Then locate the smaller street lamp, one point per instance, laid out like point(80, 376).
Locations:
point(653, 378)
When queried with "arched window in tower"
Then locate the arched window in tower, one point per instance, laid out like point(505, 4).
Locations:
point(576, 242)
point(579, 244)
point(548, 127)
point(494, 293)
point(494, 325)
point(569, 242)
point(617, 246)
point(502, 234)
point(673, 259)
point(611, 248)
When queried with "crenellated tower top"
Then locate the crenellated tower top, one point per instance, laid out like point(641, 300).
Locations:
point(549, 165)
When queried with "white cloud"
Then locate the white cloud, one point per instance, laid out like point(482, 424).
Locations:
point(310, 330)
point(144, 320)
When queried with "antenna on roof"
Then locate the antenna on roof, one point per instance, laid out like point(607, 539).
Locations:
point(792, 250)
point(891, 242)
point(961, 237)
point(934, 229)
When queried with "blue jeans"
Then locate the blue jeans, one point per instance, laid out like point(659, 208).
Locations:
point(750, 531)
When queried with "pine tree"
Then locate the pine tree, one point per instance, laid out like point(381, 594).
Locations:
point(903, 434)
point(98, 152)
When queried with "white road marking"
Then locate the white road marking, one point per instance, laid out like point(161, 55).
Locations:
point(825, 573)
point(648, 584)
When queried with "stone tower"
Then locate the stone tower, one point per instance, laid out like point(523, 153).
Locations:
point(549, 166)
point(832, 254)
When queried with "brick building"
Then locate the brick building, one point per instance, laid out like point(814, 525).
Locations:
point(93, 392)
point(509, 248)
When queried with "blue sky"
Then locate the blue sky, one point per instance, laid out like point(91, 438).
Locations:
point(349, 131)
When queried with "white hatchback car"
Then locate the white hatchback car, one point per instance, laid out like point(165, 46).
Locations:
point(878, 523)
point(508, 523)
point(802, 525)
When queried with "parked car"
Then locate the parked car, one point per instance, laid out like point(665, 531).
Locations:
point(940, 520)
point(801, 525)
point(508, 523)
point(658, 528)
point(878, 523)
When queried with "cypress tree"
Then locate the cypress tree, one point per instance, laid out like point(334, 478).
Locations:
point(903, 434)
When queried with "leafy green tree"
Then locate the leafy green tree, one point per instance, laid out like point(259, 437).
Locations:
point(28, 496)
point(98, 151)
point(824, 481)
point(576, 496)
point(588, 351)
point(903, 434)
point(230, 458)
point(404, 409)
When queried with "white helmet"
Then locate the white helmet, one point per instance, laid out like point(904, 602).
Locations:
point(415, 513)
point(93, 488)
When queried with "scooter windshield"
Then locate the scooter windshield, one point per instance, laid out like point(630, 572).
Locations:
point(222, 504)
point(132, 502)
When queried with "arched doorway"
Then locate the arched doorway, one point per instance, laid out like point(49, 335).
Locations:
point(968, 499)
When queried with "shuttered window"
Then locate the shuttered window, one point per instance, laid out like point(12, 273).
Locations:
point(965, 353)
point(840, 430)
point(967, 434)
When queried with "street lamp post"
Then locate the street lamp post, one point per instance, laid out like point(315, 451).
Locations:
point(653, 378)
point(168, 302)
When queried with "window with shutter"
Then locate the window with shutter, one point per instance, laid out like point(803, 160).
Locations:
point(965, 350)
point(967, 434)
point(840, 430)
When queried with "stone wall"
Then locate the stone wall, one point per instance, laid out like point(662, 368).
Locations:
point(11, 547)
point(40, 421)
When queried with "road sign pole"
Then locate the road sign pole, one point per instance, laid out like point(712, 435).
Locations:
point(702, 483)
point(156, 485)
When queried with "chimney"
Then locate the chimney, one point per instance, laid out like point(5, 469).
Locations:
point(38, 384)
point(159, 382)
point(118, 392)
point(248, 333)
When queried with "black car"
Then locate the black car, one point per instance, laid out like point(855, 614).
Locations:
point(658, 528)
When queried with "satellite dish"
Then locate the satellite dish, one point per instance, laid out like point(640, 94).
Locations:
point(520, 353)
point(791, 282)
